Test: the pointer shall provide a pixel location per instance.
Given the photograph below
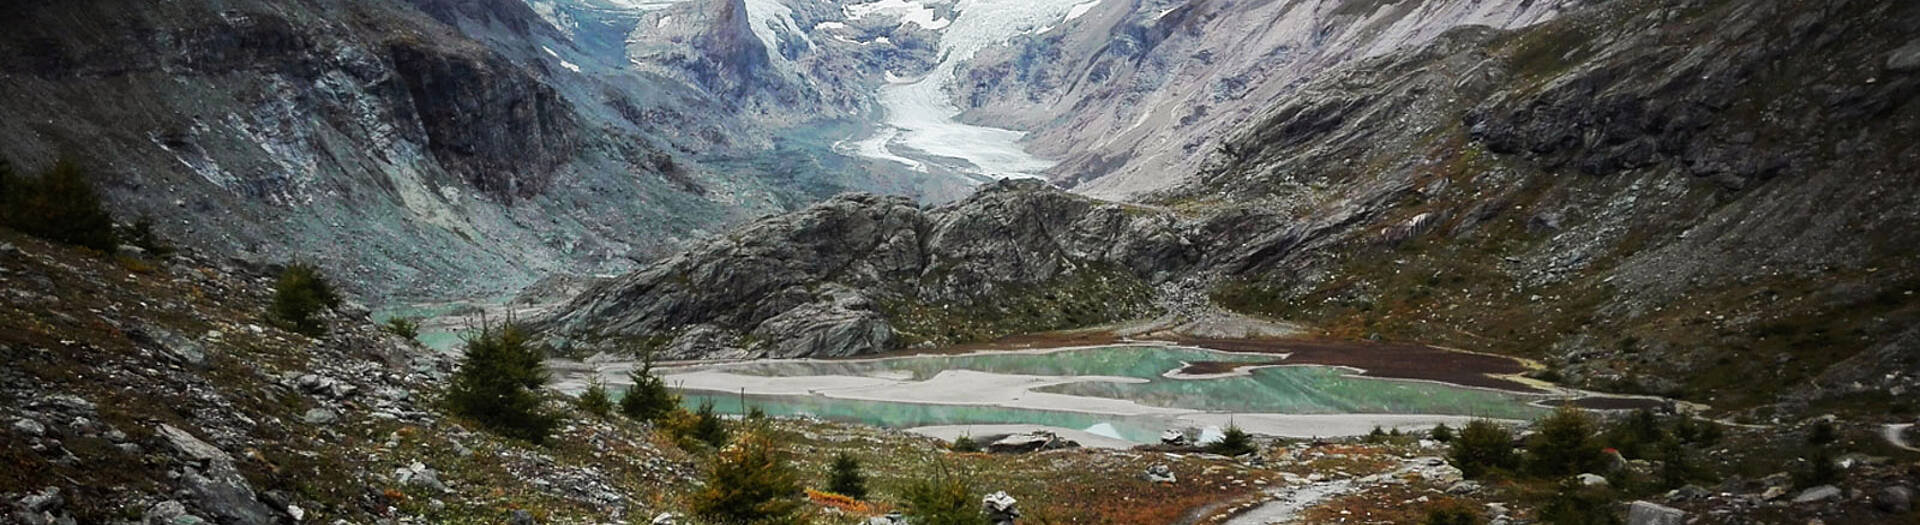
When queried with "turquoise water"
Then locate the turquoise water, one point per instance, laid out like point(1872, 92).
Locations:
point(1273, 390)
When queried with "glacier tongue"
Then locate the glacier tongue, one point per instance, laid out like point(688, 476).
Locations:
point(920, 116)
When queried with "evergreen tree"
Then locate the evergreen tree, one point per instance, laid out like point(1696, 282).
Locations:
point(1483, 448)
point(1377, 435)
point(964, 444)
point(648, 399)
point(1636, 436)
point(1574, 504)
point(942, 499)
point(59, 205)
point(750, 482)
point(1233, 442)
point(595, 400)
point(1564, 445)
point(298, 297)
point(497, 385)
point(1442, 433)
point(406, 327)
point(847, 479)
point(1676, 468)
point(708, 427)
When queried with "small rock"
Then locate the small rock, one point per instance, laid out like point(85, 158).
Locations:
point(666, 518)
point(1161, 473)
point(170, 513)
point(320, 416)
point(1894, 500)
point(43, 501)
point(1688, 492)
point(1649, 513)
point(29, 427)
point(419, 475)
point(1000, 508)
point(1817, 494)
point(1773, 493)
point(1174, 438)
point(1591, 480)
point(1464, 487)
point(521, 517)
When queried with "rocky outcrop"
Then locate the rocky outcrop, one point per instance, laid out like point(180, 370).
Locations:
point(863, 273)
point(504, 132)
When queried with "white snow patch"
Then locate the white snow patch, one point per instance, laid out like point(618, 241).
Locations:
point(907, 11)
point(1081, 9)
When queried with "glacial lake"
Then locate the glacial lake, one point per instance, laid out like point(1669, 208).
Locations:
point(1119, 392)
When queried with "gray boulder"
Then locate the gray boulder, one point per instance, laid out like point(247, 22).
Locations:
point(1818, 494)
point(1649, 513)
point(319, 416)
point(214, 482)
point(1894, 499)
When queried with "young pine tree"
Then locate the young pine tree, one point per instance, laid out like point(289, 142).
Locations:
point(1564, 445)
point(964, 444)
point(595, 399)
point(1441, 433)
point(298, 297)
point(1233, 442)
point(1377, 435)
point(942, 499)
point(498, 385)
point(1483, 448)
point(847, 479)
point(750, 482)
point(648, 399)
point(708, 427)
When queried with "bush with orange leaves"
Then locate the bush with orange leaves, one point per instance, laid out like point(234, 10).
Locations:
point(839, 501)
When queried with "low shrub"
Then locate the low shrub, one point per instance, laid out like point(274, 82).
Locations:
point(750, 482)
point(299, 296)
point(1483, 448)
point(59, 205)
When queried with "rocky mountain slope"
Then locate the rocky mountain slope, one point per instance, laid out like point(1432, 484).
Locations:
point(1672, 199)
point(437, 149)
point(1132, 95)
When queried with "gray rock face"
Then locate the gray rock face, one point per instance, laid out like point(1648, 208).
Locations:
point(1648, 513)
point(1906, 58)
point(862, 273)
